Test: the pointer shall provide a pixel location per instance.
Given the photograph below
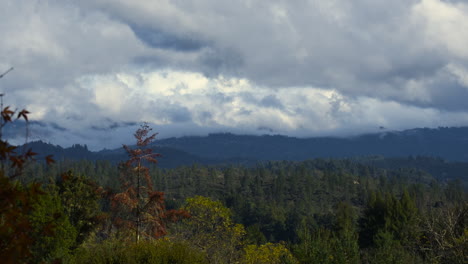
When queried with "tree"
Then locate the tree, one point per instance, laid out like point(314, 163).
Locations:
point(52, 232)
point(8, 152)
point(80, 198)
point(389, 229)
point(346, 236)
point(321, 245)
point(445, 234)
point(373, 220)
point(268, 253)
point(139, 207)
point(211, 229)
point(17, 203)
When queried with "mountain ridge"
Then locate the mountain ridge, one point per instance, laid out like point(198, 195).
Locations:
point(223, 148)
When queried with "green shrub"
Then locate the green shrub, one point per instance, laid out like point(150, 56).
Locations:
point(268, 253)
point(160, 251)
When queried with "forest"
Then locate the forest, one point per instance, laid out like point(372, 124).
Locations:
point(312, 211)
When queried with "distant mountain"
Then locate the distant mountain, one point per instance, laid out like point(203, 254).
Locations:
point(76, 152)
point(170, 158)
point(447, 143)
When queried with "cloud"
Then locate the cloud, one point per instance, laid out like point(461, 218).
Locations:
point(294, 67)
point(160, 39)
point(187, 103)
point(444, 25)
point(334, 44)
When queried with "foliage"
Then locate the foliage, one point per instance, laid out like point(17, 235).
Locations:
point(52, 232)
point(138, 207)
point(33, 225)
point(268, 253)
point(161, 251)
point(445, 234)
point(80, 198)
point(211, 229)
point(16, 204)
point(8, 153)
point(401, 215)
point(386, 214)
point(389, 251)
point(323, 246)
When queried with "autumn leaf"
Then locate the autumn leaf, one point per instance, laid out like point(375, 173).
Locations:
point(30, 153)
point(7, 113)
point(49, 159)
point(24, 113)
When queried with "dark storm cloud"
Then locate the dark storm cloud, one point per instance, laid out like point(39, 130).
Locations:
point(448, 94)
point(271, 101)
point(19, 131)
point(165, 40)
point(361, 48)
point(109, 125)
point(371, 48)
point(217, 61)
point(57, 127)
point(295, 67)
point(265, 129)
point(268, 101)
point(172, 113)
point(205, 117)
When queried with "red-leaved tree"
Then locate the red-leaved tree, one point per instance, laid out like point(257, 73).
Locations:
point(139, 207)
point(16, 201)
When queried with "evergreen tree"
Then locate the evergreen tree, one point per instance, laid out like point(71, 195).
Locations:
point(52, 232)
point(80, 199)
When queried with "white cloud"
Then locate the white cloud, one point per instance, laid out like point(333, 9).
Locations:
point(295, 67)
point(192, 102)
point(460, 72)
point(445, 24)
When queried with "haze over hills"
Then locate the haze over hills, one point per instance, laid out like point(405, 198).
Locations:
point(447, 143)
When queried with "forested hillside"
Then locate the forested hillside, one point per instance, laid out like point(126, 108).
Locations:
point(450, 144)
point(447, 143)
point(324, 211)
point(360, 210)
point(233, 132)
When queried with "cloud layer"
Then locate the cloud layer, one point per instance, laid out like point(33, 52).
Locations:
point(302, 68)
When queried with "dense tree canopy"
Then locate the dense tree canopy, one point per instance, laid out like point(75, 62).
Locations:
point(314, 211)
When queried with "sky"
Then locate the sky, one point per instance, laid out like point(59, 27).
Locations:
point(91, 71)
